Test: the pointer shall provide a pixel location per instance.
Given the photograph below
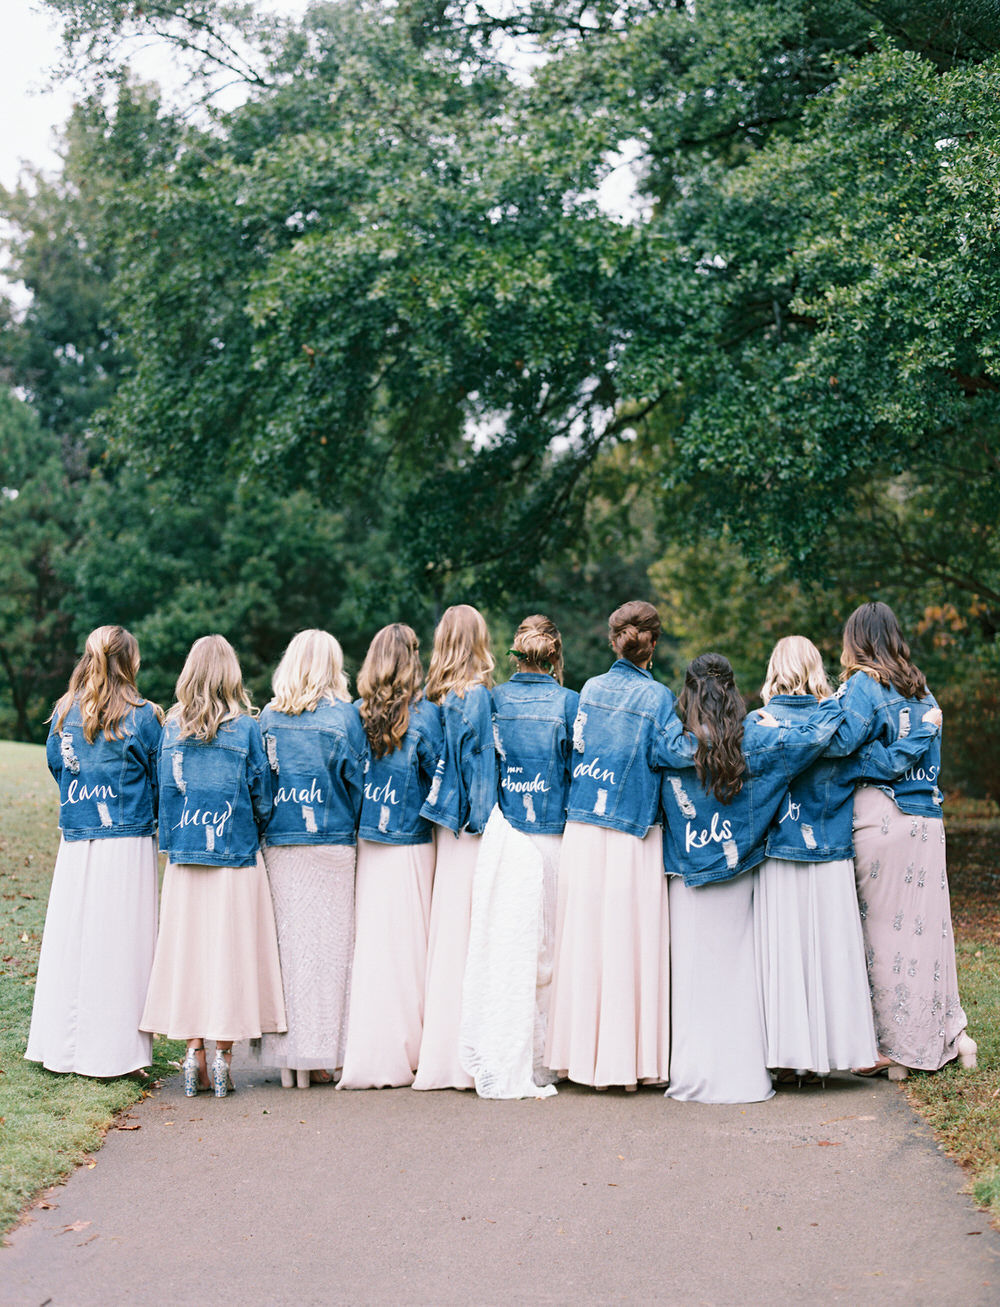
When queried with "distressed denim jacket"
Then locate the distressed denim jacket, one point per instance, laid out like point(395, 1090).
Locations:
point(625, 731)
point(464, 789)
point(396, 786)
point(533, 731)
point(109, 787)
point(216, 796)
point(317, 759)
point(874, 712)
point(815, 818)
point(706, 840)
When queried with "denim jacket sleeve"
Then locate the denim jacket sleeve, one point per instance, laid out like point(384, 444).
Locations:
point(53, 754)
point(859, 703)
point(673, 746)
point(260, 779)
point(147, 746)
point(353, 763)
point(802, 743)
point(430, 745)
point(881, 763)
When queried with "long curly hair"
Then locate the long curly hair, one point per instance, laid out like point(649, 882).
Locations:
point(873, 643)
point(713, 709)
point(103, 683)
point(389, 684)
point(209, 690)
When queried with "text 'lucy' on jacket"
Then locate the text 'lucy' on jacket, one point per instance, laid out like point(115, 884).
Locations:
point(625, 731)
point(533, 719)
point(396, 785)
point(216, 796)
point(108, 787)
point(317, 758)
point(876, 712)
point(464, 789)
point(815, 817)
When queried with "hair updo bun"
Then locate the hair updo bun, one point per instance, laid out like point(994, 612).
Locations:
point(633, 631)
point(538, 645)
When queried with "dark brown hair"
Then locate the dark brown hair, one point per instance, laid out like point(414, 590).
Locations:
point(873, 643)
point(389, 683)
point(538, 647)
point(633, 631)
point(712, 708)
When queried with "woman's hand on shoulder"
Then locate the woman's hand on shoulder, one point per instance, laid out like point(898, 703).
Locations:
point(934, 717)
point(765, 718)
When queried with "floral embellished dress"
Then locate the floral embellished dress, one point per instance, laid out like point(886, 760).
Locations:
point(906, 916)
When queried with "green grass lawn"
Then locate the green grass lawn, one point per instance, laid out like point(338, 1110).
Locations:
point(48, 1123)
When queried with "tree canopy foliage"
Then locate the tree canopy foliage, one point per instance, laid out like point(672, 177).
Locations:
point(384, 281)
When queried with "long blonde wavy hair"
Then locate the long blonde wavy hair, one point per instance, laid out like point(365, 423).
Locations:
point(209, 689)
point(389, 684)
point(795, 667)
point(311, 670)
point(103, 684)
point(461, 657)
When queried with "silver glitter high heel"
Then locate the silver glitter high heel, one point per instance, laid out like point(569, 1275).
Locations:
point(222, 1081)
point(191, 1067)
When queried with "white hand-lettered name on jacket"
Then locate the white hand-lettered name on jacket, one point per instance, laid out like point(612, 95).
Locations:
point(595, 771)
point(80, 792)
point(792, 812)
point(381, 793)
point(289, 794)
point(716, 833)
point(929, 773)
point(513, 785)
point(214, 821)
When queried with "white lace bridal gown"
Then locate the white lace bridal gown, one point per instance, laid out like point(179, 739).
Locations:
point(508, 972)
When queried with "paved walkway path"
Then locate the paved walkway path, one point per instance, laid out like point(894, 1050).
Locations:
point(321, 1196)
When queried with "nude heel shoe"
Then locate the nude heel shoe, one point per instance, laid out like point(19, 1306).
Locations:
point(302, 1079)
point(967, 1050)
point(897, 1072)
point(287, 1078)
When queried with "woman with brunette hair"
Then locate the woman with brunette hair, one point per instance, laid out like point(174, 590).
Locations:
point(315, 746)
point(716, 826)
point(509, 969)
point(899, 865)
point(609, 1021)
point(460, 800)
point(215, 973)
point(810, 949)
point(395, 874)
point(100, 925)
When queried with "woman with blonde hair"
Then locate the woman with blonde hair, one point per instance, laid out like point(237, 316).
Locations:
point(216, 973)
point(100, 925)
point(461, 798)
point(508, 974)
point(403, 743)
point(810, 949)
point(315, 746)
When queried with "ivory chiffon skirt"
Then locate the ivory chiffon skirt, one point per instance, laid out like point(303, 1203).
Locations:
point(440, 1065)
point(312, 890)
point(392, 917)
point(97, 951)
point(609, 1018)
point(216, 973)
point(718, 1053)
point(905, 907)
point(811, 966)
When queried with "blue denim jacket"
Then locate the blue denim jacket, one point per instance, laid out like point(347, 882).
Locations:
point(109, 787)
point(533, 732)
point(216, 796)
point(464, 789)
point(706, 840)
point(815, 818)
point(879, 712)
point(625, 731)
point(396, 786)
point(317, 759)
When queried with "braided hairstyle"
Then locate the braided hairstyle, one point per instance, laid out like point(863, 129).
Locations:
point(713, 709)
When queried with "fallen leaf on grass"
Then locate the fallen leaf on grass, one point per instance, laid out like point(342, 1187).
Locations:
point(76, 1226)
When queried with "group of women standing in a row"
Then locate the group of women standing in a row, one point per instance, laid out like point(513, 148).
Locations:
point(463, 886)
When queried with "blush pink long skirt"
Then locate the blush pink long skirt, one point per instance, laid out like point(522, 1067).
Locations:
point(392, 919)
point(609, 1019)
point(440, 1065)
